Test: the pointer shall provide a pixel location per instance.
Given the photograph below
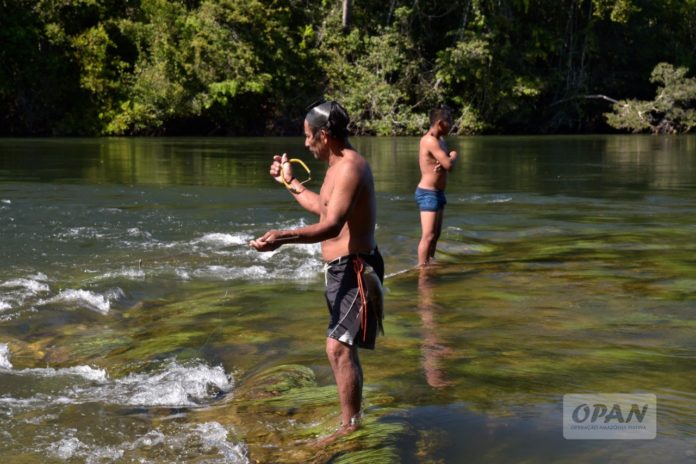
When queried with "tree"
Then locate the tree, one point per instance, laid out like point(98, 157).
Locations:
point(40, 93)
point(673, 110)
point(378, 77)
point(347, 13)
point(77, 67)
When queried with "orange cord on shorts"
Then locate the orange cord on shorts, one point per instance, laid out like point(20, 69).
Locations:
point(358, 267)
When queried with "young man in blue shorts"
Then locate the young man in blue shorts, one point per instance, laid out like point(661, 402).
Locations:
point(435, 162)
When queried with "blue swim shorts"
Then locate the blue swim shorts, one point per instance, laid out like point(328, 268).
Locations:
point(430, 200)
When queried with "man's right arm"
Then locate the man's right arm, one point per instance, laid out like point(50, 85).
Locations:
point(305, 197)
point(446, 160)
point(281, 169)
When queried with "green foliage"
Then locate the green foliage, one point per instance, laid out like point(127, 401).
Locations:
point(76, 67)
point(672, 110)
point(39, 82)
point(189, 62)
point(617, 10)
point(465, 69)
point(373, 76)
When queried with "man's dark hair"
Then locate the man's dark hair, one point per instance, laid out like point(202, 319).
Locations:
point(442, 113)
point(330, 116)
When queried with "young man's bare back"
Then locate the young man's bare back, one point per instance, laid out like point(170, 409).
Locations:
point(435, 163)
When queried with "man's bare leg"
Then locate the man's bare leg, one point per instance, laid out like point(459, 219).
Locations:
point(429, 227)
point(436, 236)
point(349, 380)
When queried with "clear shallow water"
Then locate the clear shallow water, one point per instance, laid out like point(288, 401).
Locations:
point(133, 314)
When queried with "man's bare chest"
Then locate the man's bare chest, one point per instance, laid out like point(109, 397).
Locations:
point(325, 193)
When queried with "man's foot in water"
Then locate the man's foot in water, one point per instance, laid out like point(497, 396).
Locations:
point(343, 430)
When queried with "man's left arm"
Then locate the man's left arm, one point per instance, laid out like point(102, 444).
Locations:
point(343, 194)
point(445, 161)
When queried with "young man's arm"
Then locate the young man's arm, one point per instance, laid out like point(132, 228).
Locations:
point(447, 161)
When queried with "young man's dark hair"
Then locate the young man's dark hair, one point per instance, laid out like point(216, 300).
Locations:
point(442, 113)
point(331, 116)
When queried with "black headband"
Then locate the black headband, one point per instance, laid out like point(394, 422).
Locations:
point(330, 116)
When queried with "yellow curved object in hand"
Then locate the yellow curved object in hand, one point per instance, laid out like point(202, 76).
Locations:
point(301, 163)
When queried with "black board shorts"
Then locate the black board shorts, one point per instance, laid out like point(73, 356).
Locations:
point(355, 315)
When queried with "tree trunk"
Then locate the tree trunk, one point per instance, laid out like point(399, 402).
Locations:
point(347, 10)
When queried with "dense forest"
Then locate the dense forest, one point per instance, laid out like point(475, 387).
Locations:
point(251, 67)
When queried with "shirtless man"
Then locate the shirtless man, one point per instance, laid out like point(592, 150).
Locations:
point(434, 163)
point(354, 268)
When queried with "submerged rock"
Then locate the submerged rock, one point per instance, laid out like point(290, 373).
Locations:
point(288, 417)
point(276, 381)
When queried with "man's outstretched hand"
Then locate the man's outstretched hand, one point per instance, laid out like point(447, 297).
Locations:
point(267, 242)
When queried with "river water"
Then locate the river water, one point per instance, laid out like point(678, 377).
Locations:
point(135, 321)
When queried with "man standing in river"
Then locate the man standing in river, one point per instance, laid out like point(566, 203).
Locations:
point(435, 163)
point(354, 269)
